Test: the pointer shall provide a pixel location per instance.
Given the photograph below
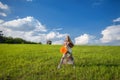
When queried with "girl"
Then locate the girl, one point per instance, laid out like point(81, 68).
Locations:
point(67, 57)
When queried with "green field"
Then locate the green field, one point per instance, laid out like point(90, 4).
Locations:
point(39, 62)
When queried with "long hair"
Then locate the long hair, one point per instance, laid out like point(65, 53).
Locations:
point(69, 40)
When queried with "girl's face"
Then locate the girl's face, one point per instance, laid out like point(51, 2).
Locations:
point(67, 38)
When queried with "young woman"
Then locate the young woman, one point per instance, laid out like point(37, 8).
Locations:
point(67, 57)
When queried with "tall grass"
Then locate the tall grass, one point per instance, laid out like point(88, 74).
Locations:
point(39, 62)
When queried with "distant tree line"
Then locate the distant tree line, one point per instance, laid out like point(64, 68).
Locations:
point(11, 40)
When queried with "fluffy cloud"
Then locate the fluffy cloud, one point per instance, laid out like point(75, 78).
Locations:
point(25, 24)
point(3, 14)
point(25, 28)
point(53, 35)
point(30, 29)
point(3, 6)
point(3, 9)
point(1, 21)
point(111, 34)
point(116, 20)
point(58, 42)
point(56, 37)
point(83, 39)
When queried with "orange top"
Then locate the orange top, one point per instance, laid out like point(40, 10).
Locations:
point(63, 50)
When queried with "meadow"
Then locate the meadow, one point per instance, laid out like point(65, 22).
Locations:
point(39, 62)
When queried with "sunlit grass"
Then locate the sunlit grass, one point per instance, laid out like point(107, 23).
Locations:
point(39, 62)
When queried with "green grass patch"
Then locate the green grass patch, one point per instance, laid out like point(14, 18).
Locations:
point(39, 62)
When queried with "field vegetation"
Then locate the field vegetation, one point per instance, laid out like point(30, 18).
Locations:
point(39, 62)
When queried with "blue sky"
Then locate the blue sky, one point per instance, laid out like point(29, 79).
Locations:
point(83, 20)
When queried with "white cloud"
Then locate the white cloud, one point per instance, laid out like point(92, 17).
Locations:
point(24, 28)
point(3, 6)
point(83, 39)
point(53, 35)
point(58, 42)
point(3, 14)
point(56, 37)
point(58, 29)
point(30, 29)
point(111, 34)
point(1, 21)
point(116, 20)
point(25, 24)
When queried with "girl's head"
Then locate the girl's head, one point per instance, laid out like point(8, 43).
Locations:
point(68, 39)
point(70, 44)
